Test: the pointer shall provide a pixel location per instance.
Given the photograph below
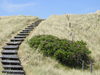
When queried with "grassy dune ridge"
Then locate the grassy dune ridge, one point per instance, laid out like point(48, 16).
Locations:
point(83, 27)
point(73, 27)
point(10, 26)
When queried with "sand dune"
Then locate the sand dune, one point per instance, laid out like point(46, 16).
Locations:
point(84, 27)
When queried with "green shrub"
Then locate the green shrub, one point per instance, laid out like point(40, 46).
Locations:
point(67, 52)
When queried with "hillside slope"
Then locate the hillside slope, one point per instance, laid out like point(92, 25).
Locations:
point(10, 26)
point(73, 27)
point(78, 27)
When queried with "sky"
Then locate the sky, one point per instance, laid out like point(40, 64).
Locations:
point(45, 8)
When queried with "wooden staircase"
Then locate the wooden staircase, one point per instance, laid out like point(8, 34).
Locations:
point(9, 59)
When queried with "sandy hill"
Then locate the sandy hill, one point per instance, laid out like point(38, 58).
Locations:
point(73, 27)
point(10, 26)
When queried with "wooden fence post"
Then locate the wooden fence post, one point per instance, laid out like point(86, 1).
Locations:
point(91, 67)
point(82, 65)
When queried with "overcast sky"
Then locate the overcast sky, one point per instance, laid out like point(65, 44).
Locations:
point(45, 8)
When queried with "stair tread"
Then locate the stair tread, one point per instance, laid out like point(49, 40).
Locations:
point(12, 66)
point(11, 47)
point(19, 36)
point(10, 61)
point(29, 28)
point(17, 39)
point(26, 30)
point(9, 56)
point(23, 34)
point(29, 25)
point(10, 71)
point(9, 51)
point(14, 43)
point(13, 74)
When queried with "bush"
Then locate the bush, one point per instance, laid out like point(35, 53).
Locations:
point(67, 52)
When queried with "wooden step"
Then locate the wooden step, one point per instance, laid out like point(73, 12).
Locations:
point(12, 74)
point(9, 51)
point(32, 25)
point(10, 56)
point(17, 39)
point(36, 23)
point(10, 61)
point(15, 72)
point(14, 43)
point(26, 30)
point(18, 36)
point(12, 66)
point(23, 34)
point(29, 28)
point(10, 47)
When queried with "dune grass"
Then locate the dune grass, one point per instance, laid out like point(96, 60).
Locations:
point(10, 26)
point(36, 64)
point(83, 27)
point(72, 27)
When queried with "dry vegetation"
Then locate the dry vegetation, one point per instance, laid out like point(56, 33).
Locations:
point(83, 27)
point(72, 27)
point(10, 26)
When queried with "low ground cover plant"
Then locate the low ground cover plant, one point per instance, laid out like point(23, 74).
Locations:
point(70, 53)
